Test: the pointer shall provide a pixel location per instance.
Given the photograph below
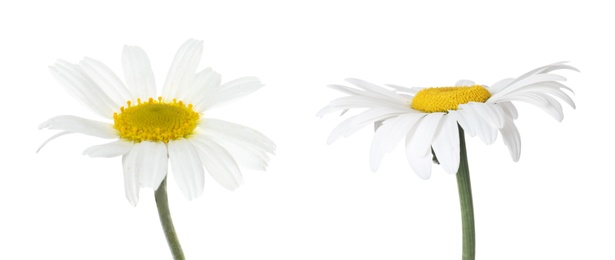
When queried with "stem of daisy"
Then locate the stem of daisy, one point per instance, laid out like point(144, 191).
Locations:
point(162, 202)
point(465, 197)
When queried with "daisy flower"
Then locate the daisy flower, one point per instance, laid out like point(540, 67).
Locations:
point(151, 130)
point(432, 122)
point(427, 119)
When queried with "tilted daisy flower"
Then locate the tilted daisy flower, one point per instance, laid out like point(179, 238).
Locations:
point(151, 130)
point(432, 121)
point(427, 118)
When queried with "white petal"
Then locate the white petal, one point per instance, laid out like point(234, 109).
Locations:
point(411, 91)
point(422, 135)
point(352, 124)
point(375, 95)
point(138, 73)
point(511, 138)
point(51, 138)
point(204, 87)
point(465, 82)
point(107, 80)
point(218, 162)
point(347, 90)
point(446, 144)
point(112, 149)
point(543, 96)
point(375, 89)
point(418, 144)
point(539, 89)
point(421, 165)
point(554, 89)
point(249, 147)
point(187, 168)
point(350, 102)
point(389, 135)
point(543, 101)
point(240, 132)
point(535, 98)
point(490, 113)
point(80, 125)
point(498, 86)
point(131, 183)
point(245, 154)
point(475, 123)
point(232, 90)
point(540, 78)
point(553, 108)
point(83, 88)
point(509, 109)
point(463, 122)
point(547, 69)
point(367, 96)
point(183, 69)
point(151, 163)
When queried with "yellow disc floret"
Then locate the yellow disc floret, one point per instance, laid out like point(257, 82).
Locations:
point(448, 98)
point(155, 120)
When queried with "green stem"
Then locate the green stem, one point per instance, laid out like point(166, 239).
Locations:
point(162, 202)
point(465, 197)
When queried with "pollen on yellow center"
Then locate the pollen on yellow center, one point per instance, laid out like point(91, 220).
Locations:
point(155, 120)
point(448, 98)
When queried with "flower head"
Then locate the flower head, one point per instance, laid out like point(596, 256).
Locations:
point(151, 130)
point(428, 118)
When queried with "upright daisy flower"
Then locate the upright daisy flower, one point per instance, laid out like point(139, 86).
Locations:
point(149, 130)
point(431, 122)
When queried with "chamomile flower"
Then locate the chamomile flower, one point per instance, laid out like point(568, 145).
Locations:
point(150, 129)
point(427, 119)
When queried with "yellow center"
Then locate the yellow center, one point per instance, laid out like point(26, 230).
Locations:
point(448, 98)
point(155, 120)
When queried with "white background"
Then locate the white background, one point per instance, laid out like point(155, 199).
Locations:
point(315, 201)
